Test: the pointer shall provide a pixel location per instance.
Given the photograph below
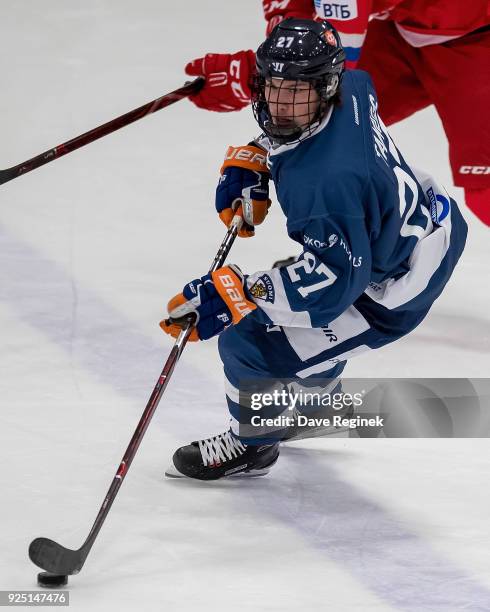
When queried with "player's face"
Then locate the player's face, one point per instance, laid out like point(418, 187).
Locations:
point(292, 104)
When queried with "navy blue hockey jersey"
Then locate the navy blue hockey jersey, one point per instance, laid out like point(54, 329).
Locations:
point(375, 233)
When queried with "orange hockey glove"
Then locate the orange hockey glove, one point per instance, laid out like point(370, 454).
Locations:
point(244, 183)
point(216, 300)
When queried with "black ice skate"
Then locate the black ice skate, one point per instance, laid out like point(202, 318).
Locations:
point(220, 456)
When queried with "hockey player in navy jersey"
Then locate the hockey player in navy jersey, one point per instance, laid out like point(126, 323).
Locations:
point(380, 241)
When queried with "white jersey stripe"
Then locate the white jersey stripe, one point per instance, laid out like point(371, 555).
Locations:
point(328, 364)
point(424, 262)
point(421, 39)
point(308, 343)
point(352, 40)
point(232, 392)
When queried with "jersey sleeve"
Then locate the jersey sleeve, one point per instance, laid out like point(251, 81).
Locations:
point(331, 273)
point(276, 11)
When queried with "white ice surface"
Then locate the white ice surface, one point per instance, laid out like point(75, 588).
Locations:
point(91, 248)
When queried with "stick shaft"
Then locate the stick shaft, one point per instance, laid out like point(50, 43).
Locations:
point(100, 131)
point(154, 400)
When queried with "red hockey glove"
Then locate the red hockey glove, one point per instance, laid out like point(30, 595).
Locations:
point(244, 185)
point(228, 78)
point(216, 300)
point(275, 12)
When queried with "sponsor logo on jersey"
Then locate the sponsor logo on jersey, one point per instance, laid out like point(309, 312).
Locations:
point(376, 287)
point(343, 10)
point(263, 289)
point(333, 239)
point(474, 170)
point(314, 242)
point(439, 206)
point(356, 261)
point(318, 244)
point(329, 334)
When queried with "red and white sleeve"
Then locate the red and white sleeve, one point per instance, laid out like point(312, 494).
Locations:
point(276, 11)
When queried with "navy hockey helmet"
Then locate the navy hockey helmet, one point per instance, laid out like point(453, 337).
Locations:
point(298, 51)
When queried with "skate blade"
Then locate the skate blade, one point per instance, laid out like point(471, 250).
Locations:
point(173, 472)
point(317, 432)
point(251, 474)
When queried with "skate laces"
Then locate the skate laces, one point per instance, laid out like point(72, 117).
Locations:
point(220, 448)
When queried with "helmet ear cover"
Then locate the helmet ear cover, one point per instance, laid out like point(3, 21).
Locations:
point(328, 89)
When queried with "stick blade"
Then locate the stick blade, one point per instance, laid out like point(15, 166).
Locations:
point(54, 558)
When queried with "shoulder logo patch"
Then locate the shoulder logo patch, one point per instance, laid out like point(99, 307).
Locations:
point(263, 289)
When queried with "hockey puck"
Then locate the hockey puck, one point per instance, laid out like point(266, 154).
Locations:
point(52, 581)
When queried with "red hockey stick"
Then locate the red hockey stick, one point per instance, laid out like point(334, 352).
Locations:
point(102, 130)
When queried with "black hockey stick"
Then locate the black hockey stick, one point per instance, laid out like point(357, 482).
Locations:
point(60, 561)
point(102, 130)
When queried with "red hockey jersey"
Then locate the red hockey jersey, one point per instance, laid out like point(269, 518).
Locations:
point(420, 22)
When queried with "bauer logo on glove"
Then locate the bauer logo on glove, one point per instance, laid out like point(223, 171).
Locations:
point(214, 301)
point(244, 187)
